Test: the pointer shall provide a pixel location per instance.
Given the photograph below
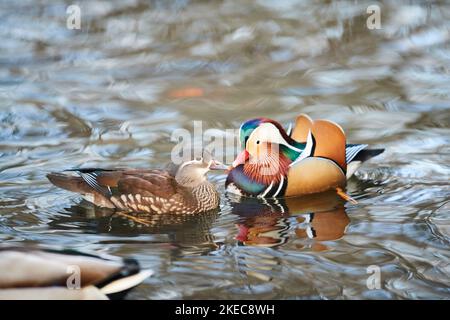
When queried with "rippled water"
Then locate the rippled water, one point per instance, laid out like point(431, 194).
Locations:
point(112, 93)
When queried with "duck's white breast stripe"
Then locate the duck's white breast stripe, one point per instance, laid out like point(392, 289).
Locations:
point(267, 190)
point(279, 187)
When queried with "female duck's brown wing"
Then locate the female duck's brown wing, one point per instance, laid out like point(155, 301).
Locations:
point(147, 183)
point(144, 191)
point(86, 180)
point(100, 186)
point(153, 191)
point(96, 185)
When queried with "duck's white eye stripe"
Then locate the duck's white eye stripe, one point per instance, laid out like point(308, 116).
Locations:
point(185, 164)
point(267, 132)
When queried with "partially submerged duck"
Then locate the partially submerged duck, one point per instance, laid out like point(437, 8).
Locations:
point(29, 273)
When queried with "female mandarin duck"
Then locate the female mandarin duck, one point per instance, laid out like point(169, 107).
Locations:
point(184, 190)
point(311, 158)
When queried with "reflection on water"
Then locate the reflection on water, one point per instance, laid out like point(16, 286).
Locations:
point(112, 93)
point(187, 230)
point(268, 222)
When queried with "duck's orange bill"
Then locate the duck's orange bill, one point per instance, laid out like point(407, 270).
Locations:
point(241, 158)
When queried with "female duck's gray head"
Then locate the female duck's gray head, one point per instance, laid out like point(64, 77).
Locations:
point(193, 173)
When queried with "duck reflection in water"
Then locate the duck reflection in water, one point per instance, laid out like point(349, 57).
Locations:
point(183, 234)
point(270, 222)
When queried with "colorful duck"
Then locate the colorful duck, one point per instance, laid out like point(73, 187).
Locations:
point(312, 157)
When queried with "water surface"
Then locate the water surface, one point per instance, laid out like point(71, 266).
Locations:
point(112, 93)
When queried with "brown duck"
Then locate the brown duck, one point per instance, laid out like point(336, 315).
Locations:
point(182, 190)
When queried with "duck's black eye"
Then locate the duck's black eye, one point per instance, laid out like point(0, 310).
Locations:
point(257, 142)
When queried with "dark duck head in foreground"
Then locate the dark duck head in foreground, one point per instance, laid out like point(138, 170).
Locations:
point(184, 190)
point(28, 273)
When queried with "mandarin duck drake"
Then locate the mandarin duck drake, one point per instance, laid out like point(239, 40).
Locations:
point(182, 190)
point(312, 157)
point(29, 273)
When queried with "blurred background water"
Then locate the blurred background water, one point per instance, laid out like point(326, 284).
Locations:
point(112, 93)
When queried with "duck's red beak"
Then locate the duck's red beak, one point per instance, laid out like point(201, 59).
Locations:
point(241, 158)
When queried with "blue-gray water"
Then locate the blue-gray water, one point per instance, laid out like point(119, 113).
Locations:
point(112, 93)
